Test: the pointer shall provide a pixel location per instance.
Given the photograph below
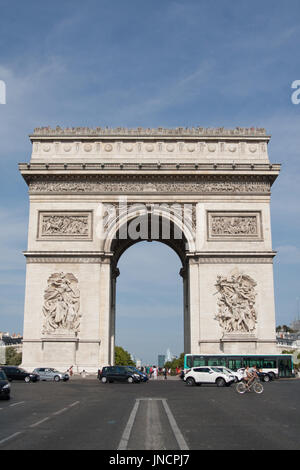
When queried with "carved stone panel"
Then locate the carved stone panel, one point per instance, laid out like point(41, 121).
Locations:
point(236, 303)
point(163, 184)
point(61, 309)
point(234, 226)
point(65, 226)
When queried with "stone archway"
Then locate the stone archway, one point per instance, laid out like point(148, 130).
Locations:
point(159, 225)
point(211, 185)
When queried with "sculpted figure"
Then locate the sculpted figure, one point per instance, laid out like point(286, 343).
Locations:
point(236, 304)
point(61, 304)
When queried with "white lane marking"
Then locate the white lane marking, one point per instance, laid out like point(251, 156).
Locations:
point(74, 404)
point(39, 422)
point(179, 437)
point(127, 431)
point(10, 437)
point(16, 404)
point(60, 412)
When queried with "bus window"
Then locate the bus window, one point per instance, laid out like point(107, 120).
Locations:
point(269, 363)
point(234, 363)
point(216, 361)
point(189, 361)
point(252, 361)
point(285, 367)
point(199, 361)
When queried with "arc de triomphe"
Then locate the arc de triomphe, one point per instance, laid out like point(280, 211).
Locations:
point(95, 192)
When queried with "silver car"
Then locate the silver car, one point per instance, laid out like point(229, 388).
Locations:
point(48, 374)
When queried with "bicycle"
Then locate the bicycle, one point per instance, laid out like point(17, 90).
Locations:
point(255, 385)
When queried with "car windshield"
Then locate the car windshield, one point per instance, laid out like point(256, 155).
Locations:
point(2, 375)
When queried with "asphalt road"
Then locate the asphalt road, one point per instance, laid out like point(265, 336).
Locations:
point(159, 415)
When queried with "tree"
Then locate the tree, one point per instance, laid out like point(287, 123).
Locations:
point(176, 363)
point(122, 357)
point(13, 358)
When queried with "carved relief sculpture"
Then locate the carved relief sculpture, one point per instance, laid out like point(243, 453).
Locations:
point(236, 303)
point(61, 310)
point(234, 225)
point(64, 225)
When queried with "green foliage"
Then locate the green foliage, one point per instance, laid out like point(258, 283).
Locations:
point(122, 357)
point(285, 351)
point(285, 328)
point(176, 363)
point(13, 358)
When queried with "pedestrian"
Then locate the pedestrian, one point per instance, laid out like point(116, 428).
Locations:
point(165, 372)
point(70, 371)
point(154, 372)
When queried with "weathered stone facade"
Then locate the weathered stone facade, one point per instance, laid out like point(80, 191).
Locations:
point(204, 192)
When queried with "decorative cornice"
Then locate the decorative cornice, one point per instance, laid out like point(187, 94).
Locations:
point(142, 132)
point(170, 184)
point(237, 257)
point(67, 257)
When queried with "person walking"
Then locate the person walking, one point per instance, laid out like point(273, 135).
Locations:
point(165, 372)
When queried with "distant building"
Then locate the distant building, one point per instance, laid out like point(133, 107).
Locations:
point(7, 340)
point(161, 360)
point(296, 325)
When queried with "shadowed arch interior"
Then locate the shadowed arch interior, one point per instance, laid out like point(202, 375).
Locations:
point(166, 232)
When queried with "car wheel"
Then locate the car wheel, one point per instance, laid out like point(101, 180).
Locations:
point(27, 380)
point(130, 380)
point(266, 378)
point(190, 381)
point(220, 382)
point(56, 378)
point(104, 380)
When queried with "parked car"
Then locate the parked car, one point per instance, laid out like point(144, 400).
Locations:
point(207, 375)
point(118, 374)
point(238, 376)
point(4, 386)
point(48, 374)
point(17, 373)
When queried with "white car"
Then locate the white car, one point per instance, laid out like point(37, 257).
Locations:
point(208, 375)
point(238, 375)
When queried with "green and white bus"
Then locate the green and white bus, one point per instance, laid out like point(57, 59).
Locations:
point(278, 365)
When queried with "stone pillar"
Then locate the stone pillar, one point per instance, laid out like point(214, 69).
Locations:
point(194, 304)
point(115, 274)
point(105, 311)
point(184, 273)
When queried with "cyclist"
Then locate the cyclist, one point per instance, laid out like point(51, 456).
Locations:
point(249, 375)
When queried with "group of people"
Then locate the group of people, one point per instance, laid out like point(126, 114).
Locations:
point(153, 372)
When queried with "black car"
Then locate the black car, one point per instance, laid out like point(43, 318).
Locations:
point(4, 386)
point(144, 377)
point(118, 374)
point(16, 373)
point(264, 376)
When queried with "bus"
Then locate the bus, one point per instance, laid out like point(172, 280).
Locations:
point(277, 365)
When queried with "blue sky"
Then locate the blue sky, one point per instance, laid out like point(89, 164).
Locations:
point(151, 64)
